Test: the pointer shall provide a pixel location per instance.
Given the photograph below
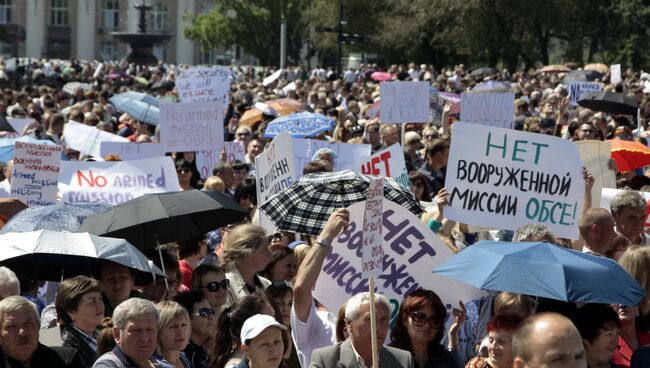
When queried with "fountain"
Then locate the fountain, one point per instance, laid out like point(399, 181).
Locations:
point(141, 42)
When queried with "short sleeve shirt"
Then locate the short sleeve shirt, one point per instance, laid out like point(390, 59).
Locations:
point(317, 332)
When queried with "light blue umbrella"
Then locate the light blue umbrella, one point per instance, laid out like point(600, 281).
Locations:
point(544, 270)
point(300, 125)
point(7, 145)
point(57, 217)
point(140, 106)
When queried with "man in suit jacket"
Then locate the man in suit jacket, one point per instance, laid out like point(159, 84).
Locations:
point(356, 351)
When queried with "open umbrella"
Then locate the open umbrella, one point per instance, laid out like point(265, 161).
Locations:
point(57, 217)
point(629, 155)
point(381, 76)
point(141, 108)
point(51, 255)
point(555, 68)
point(282, 106)
point(582, 75)
point(492, 86)
point(599, 67)
point(72, 87)
point(154, 219)
point(305, 206)
point(609, 102)
point(482, 71)
point(544, 270)
point(300, 125)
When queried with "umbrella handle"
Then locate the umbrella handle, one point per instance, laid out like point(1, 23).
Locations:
point(162, 265)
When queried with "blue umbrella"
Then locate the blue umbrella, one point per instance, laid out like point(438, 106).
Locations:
point(300, 125)
point(544, 270)
point(140, 106)
point(7, 145)
point(57, 217)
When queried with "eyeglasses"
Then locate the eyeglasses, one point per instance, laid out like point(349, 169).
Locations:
point(214, 286)
point(420, 319)
point(276, 236)
point(205, 313)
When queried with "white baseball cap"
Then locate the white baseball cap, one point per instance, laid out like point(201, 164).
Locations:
point(256, 324)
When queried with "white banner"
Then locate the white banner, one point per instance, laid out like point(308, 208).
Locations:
point(35, 175)
point(503, 179)
point(205, 160)
point(615, 74)
point(204, 83)
point(274, 168)
point(373, 253)
point(131, 150)
point(579, 89)
point(347, 155)
point(404, 102)
point(488, 108)
point(195, 126)
point(115, 182)
point(86, 139)
point(19, 124)
point(388, 162)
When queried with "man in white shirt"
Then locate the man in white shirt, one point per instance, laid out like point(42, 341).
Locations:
point(597, 228)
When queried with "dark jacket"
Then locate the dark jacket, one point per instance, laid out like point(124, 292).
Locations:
point(75, 340)
point(56, 357)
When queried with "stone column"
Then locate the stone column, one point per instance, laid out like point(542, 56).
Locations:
point(86, 28)
point(35, 28)
point(184, 46)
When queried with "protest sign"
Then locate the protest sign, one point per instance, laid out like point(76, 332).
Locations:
point(347, 155)
point(579, 89)
point(615, 74)
point(372, 254)
point(194, 126)
point(607, 194)
point(388, 162)
point(595, 157)
point(411, 250)
point(86, 139)
point(205, 160)
point(131, 150)
point(488, 108)
point(436, 105)
point(19, 124)
point(204, 83)
point(35, 174)
point(404, 102)
point(115, 182)
point(274, 168)
point(503, 179)
point(235, 151)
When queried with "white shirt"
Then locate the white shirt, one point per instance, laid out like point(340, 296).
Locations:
point(317, 332)
point(5, 188)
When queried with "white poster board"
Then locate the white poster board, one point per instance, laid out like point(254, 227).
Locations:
point(372, 254)
point(35, 175)
point(132, 151)
point(488, 108)
point(404, 102)
point(203, 83)
point(347, 155)
point(504, 178)
point(193, 126)
point(206, 160)
point(615, 74)
point(579, 89)
point(595, 156)
point(19, 124)
point(114, 182)
point(388, 162)
point(274, 168)
point(87, 139)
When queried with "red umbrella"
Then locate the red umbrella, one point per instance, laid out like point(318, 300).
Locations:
point(381, 76)
point(630, 155)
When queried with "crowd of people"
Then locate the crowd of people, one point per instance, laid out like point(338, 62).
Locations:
point(239, 297)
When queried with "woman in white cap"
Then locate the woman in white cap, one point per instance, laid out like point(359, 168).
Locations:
point(262, 345)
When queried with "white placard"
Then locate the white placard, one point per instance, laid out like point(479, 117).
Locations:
point(131, 150)
point(204, 83)
point(579, 89)
point(19, 124)
point(86, 139)
point(388, 162)
point(488, 108)
point(347, 155)
point(615, 74)
point(205, 160)
point(114, 182)
point(193, 126)
point(595, 156)
point(372, 254)
point(504, 178)
point(404, 102)
point(275, 170)
point(35, 175)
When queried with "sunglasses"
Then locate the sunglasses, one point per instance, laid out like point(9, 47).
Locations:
point(214, 286)
point(205, 313)
point(420, 319)
point(276, 236)
point(183, 170)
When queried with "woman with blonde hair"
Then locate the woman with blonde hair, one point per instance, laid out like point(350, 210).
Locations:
point(636, 261)
point(173, 335)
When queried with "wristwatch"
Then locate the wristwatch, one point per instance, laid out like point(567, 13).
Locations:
point(324, 242)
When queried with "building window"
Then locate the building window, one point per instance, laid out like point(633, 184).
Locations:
point(6, 50)
point(110, 14)
point(108, 50)
point(158, 21)
point(59, 13)
point(5, 11)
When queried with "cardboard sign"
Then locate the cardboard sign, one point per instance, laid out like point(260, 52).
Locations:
point(503, 179)
point(412, 251)
point(19, 124)
point(274, 168)
point(595, 157)
point(205, 160)
point(204, 83)
point(579, 89)
point(195, 126)
point(131, 150)
point(87, 139)
point(372, 254)
point(347, 155)
point(115, 182)
point(488, 108)
point(615, 74)
point(34, 178)
point(388, 162)
point(404, 102)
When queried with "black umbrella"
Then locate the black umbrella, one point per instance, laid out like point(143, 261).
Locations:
point(610, 102)
point(582, 75)
point(154, 219)
point(481, 71)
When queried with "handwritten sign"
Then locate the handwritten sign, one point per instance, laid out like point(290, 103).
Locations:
point(404, 102)
point(132, 151)
point(615, 73)
point(372, 251)
point(34, 178)
point(488, 108)
point(579, 89)
point(347, 155)
point(388, 162)
point(87, 139)
point(503, 179)
point(205, 160)
point(274, 167)
point(195, 126)
point(115, 182)
point(203, 83)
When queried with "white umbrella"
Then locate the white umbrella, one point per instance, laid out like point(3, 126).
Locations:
point(52, 255)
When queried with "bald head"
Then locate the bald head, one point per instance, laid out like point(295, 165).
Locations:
point(597, 228)
point(548, 340)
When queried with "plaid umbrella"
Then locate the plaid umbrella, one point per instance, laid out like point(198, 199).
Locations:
point(58, 217)
point(306, 205)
